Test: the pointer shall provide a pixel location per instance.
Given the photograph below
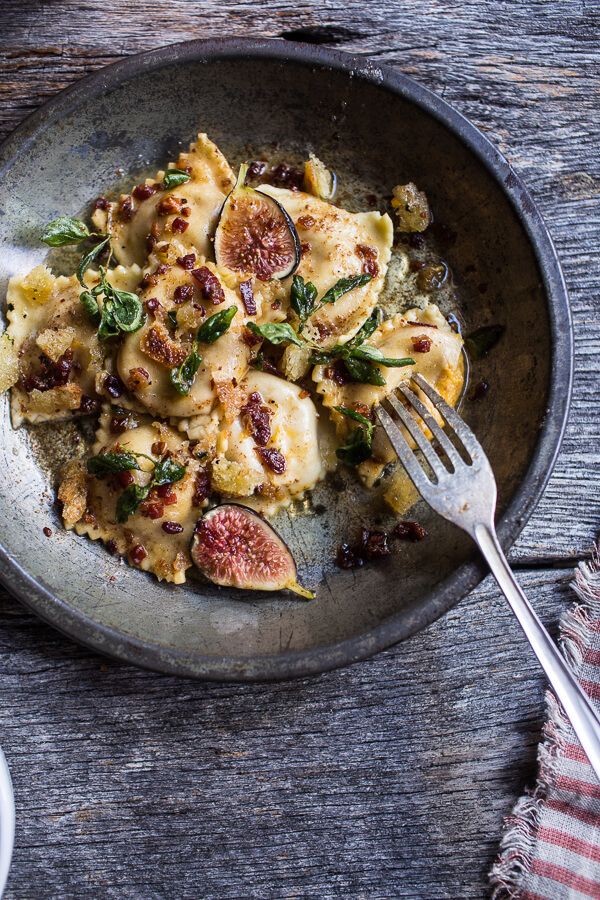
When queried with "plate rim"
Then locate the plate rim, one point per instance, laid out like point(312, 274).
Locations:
point(292, 664)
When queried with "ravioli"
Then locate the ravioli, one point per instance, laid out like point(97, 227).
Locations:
point(421, 334)
point(59, 354)
point(147, 356)
point(269, 454)
point(89, 502)
point(188, 212)
point(337, 244)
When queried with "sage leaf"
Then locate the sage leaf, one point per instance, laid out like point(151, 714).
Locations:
point(175, 177)
point(216, 325)
point(64, 230)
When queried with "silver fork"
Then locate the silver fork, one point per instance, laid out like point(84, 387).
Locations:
point(464, 492)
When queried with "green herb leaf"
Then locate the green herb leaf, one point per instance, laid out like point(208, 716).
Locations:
point(89, 257)
point(342, 287)
point(367, 328)
point(216, 325)
point(366, 351)
point(65, 230)
point(352, 414)
point(480, 342)
point(172, 317)
point(303, 297)
point(90, 304)
point(167, 471)
point(364, 371)
point(130, 499)
point(108, 463)
point(276, 333)
point(182, 377)
point(175, 177)
point(126, 310)
point(359, 444)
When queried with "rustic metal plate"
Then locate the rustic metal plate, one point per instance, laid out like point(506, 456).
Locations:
point(377, 128)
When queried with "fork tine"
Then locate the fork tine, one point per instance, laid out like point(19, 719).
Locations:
point(418, 437)
point(405, 454)
point(460, 428)
point(438, 432)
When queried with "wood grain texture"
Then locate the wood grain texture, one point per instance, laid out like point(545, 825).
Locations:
point(388, 779)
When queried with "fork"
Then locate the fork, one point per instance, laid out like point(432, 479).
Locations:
point(461, 487)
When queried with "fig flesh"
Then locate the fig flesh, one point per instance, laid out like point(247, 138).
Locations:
point(234, 547)
point(255, 234)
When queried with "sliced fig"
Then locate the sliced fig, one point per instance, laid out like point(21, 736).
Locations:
point(235, 547)
point(318, 179)
point(255, 234)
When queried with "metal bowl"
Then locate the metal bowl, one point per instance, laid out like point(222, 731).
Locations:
point(374, 126)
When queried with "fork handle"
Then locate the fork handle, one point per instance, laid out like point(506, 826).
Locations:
point(576, 704)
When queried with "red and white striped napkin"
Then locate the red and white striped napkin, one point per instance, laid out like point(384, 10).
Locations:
point(551, 845)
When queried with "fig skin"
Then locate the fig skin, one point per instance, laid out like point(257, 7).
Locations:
point(250, 243)
point(234, 547)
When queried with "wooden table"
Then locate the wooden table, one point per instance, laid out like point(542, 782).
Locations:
point(390, 778)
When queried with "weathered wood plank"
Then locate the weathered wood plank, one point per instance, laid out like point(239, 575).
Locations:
point(388, 779)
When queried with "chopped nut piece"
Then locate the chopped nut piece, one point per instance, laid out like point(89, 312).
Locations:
point(73, 492)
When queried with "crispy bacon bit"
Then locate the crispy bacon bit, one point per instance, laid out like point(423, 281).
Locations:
point(201, 487)
point(138, 554)
point(152, 305)
point(307, 221)
point(152, 509)
point(122, 421)
point(247, 295)
point(409, 531)
point(51, 374)
point(305, 247)
point(168, 206)
point(249, 338)
point(372, 544)
point(47, 531)
point(286, 176)
point(257, 419)
point(186, 211)
point(172, 527)
point(113, 386)
point(272, 459)
point(126, 211)
point(142, 192)
point(162, 269)
point(210, 286)
point(125, 479)
point(167, 494)
point(346, 558)
point(183, 293)
point(157, 344)
point(179, 225)
point(421, 344)
point(364, 410)
point(256, 168)
point(101, 203)
point(369, 257)
point(88, 405)
point(149, 280)
point(138, 379)
point(187, 261)
point(304, 394)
